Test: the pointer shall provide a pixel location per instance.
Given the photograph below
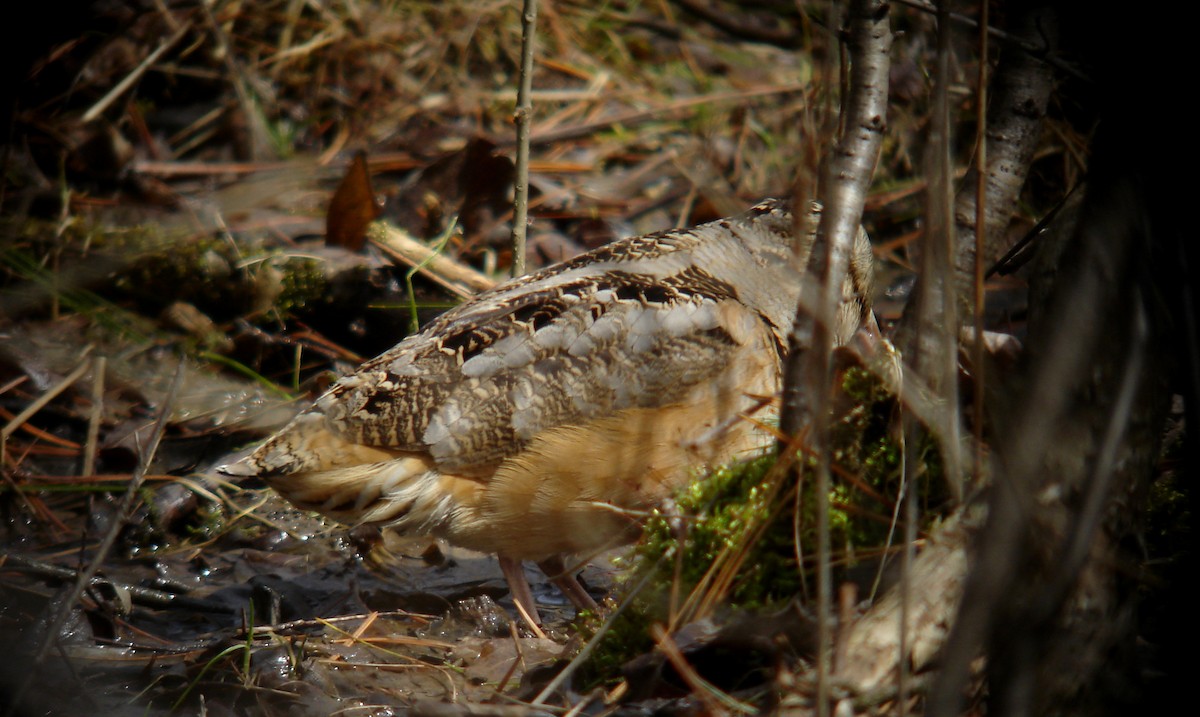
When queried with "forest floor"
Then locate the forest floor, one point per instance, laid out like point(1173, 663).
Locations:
point(167, 211)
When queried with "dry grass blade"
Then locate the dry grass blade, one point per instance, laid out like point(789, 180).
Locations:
point(96, 415)
point(713, 588)
point(129, 80)
point(19, 420)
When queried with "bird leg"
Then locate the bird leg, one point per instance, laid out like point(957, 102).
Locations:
point(522, 595)
point(565, 581)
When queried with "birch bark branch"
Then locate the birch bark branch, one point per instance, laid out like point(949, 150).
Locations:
point(846, 181)
point(808, 370)
point(1019, 95)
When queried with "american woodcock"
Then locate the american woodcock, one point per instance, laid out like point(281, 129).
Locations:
point(545, 415)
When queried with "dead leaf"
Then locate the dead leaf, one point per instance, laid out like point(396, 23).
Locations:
point(352, 208)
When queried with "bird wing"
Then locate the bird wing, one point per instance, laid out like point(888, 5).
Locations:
point(640, 323)
point(575, 342)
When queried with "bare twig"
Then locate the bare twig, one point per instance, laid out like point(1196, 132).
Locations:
point(933, 344)
point(847, 178)
point(1099, 485)
point(981, 203)
point(1020, 92)
point(1054, 443)
point(906, 634)
point(524, 119)
point(942, 299)
point(131, 79)
point(1037, 47)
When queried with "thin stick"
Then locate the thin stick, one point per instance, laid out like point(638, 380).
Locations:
point(1040, 51)
point(95, 110)
point(529, 621)
point(977, 354)
point(808, 369)
point(97, 414)
point(138, 594)
point(909, 464)
point(524, 120)
point(518, 661)
point(41, 402)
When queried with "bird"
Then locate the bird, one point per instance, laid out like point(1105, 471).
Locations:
point(547, 415)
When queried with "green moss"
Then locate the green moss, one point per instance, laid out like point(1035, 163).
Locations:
point(628, 637)
point(1168, 517)
point(303, 281)
point(210, 521)
point(156, 266)
point(720, 509)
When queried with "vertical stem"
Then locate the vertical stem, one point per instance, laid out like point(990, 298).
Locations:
point(97, 414)
point(909, 440)
point(822, 340)
point(944, 372)
point(524, 119)
point(824, 571)
point(981, 184)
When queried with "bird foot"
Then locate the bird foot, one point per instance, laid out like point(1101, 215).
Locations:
point(522, 595)
point(566, 582)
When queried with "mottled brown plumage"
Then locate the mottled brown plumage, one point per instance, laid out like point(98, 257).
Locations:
point(540, 417)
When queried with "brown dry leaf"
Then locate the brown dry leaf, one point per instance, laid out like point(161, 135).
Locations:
point(352, 207)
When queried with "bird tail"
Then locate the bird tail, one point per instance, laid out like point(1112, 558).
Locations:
point(314, 468)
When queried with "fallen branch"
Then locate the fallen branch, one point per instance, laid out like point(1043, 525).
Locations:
point(139, 595)
point(455, 277)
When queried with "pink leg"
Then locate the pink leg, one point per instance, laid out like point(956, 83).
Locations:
point(566, 582)
point(521, 594)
